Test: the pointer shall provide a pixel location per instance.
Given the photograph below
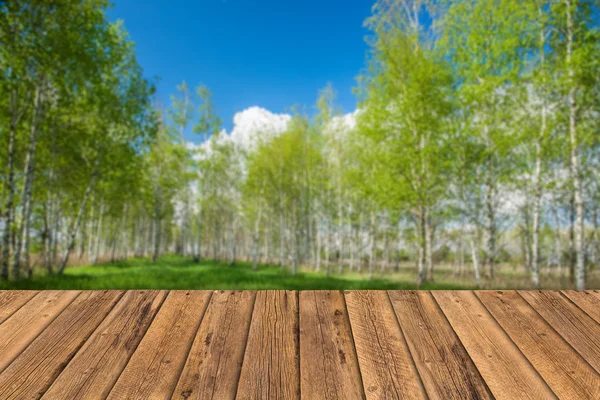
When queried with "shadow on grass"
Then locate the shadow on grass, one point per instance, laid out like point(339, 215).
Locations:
point(179, 273)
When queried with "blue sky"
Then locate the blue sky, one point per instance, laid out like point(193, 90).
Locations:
point(269, 53)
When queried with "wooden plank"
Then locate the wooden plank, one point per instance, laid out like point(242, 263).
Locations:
point(587, 300)
point(445, 368)
point(12, 300)
point(17, 332)
point(154, 368)
point(97, 366)
point(385, 362)
point(504, 368)
point(30, 374)
point(567, 374)
point(574, 325)
point(328, 363)
point(271, 368)
point(213, 367)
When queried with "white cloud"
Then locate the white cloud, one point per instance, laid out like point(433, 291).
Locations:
point(343, 124)
point(256, 124)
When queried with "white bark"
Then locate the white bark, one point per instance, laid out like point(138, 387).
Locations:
point(475, 255)
point(535, 261)
point(373, 244)
point(75, 227)
point(574, 141)
point(421, 267)
point(21, 256)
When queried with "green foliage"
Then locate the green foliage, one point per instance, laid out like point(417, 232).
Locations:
point(475, 117)
point(444, 254)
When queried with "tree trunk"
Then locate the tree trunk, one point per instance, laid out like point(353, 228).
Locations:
point(114, 245)
point(75, 227)
point(373, 247)
point(535, 258)
point(475, 255)
point(96, 249)
point(573, 139)
point(233, 242)
point(318, 252)
point(491, 226)
point(352, 247)
point(327, 245)
point(199, 244)
point(461, 255)
point(8, 208)
point(256, 238)
point(421, 267)
point(47, 239)
point(340, 239)
point(385, 245)
point(21, 255)
point(124, 238)
point(538, 171)
point(399, 246)
point(594, 239)
point(57, 227)
point(90, 230)
point(294, 240)
point(281, 233)
point(82, 239)
point(157, 236)
point(557, 242)
point(572, 238)
point(428, 246)
point(527, 242)
point(215, 240)
point(268, 244)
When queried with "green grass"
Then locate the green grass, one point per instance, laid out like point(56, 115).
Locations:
point(175, 272)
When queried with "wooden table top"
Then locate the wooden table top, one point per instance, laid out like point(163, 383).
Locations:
point(307, 344)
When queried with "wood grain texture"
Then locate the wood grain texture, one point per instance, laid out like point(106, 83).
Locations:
point(34, 370)
point(445, 368)
point(12, 300)
point(328, 363)
point(213, 367)
point(506, 371)
point(94, 370)
point(587, 300)
point(18, 331)
point(567, 374)
point(154, 368)
point(289, 345)
point(385, 362)
point(271, 368)
point(574, 325)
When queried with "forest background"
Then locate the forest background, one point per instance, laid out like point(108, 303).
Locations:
point(472, 159)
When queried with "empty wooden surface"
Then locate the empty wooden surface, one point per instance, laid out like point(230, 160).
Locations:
point(274, 326)
point(567, 374)
point(504, 368)
point(214, 362)
point(154, 368)
point(385, 362)
point(573, 324)
point(12, 300)
point(95, 368)
point(308, 345)
point(588, 301)
point(443, 363)
point(34, 370)
point(328, 364)
point(29, 321)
